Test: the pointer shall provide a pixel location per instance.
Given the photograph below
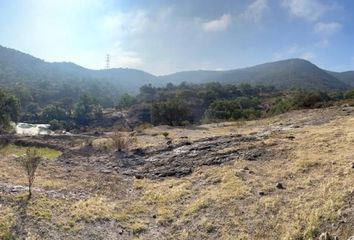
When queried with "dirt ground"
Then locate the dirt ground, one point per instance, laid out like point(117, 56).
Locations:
point(286, 177)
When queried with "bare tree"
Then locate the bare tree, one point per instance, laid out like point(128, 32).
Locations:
point(30, 162)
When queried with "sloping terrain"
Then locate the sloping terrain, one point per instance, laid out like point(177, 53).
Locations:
point(286, 74)
point(346, 77)
point(17, 68)
point(287, 177)
point(20, 68)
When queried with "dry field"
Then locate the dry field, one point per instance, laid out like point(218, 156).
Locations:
point(298, 183)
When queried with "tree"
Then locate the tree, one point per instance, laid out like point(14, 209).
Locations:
point(241, 107)
point(9, 110)
point(126, 101)
point(30, 163)
point(172, 112)
point(53, 112)
point(87, 110)
point(310, 99)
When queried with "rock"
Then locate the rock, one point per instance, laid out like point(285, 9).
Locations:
point(139, 151)
point(352, 165)
point(251, 172)
point(246, 168)
point(279, 186)
point(169, 142)
point(120, 231)
point(290, 137)
point(351, 238)
point(18, 189)
point(325, 236)
point(106, 171)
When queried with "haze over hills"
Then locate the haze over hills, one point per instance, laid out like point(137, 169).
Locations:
point(285, 74)
point(346, 77)
point(20, 68)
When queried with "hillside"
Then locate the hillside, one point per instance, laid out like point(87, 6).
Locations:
point(35, 81)
point(21, 67)
point(286, 74)
point(346, 77)
point(32, 79)
point(286, 177)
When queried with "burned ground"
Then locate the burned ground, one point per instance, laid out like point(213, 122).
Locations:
point(287, 177)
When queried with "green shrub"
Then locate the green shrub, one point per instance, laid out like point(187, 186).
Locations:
point(349, 94)
point(239, 108)
point(310, 99)
point(280, 106)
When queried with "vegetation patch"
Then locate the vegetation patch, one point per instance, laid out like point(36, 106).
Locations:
point(128, 214)
point(14, 150)
point(7, 217)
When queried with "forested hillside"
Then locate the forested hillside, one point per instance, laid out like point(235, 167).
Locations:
point(39, 84)
point(286, 74)
point(35, 81)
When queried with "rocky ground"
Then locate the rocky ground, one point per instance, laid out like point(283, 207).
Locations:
point(286, 177)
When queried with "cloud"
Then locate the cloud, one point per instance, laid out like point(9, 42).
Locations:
point(123, 58)
point(322, 44)
point(327, 28)
point(255, 10)
point(308, 56)
point(220, 24)
point(310, 10)
point(294, 52)
point(125, 22)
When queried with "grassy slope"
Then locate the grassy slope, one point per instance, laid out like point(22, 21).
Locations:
point(215, 202)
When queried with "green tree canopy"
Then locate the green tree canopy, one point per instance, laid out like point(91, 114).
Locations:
point(9, 110)
point(87, 110)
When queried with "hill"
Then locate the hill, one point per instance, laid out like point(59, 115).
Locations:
point(33, 80)
point(346, 77)
point(286, 74)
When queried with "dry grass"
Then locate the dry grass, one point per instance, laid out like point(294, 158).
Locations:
point(214, 202)
point(102, 209)
point(221, 201)
point(6, 221)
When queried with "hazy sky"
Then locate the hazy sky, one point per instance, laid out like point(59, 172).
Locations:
point(165, 36)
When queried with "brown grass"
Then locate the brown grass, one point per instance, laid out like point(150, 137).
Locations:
point(214, 202)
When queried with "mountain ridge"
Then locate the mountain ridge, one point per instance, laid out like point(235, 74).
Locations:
point(19, 67)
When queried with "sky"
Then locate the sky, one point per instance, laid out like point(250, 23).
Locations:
point(165, 36)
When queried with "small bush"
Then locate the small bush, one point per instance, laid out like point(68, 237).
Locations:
point(280, 106)
point(30, 162)
point(121, 141)
point(349, 94)
point(142, 127)
point(165, 134)
point(121, 128)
